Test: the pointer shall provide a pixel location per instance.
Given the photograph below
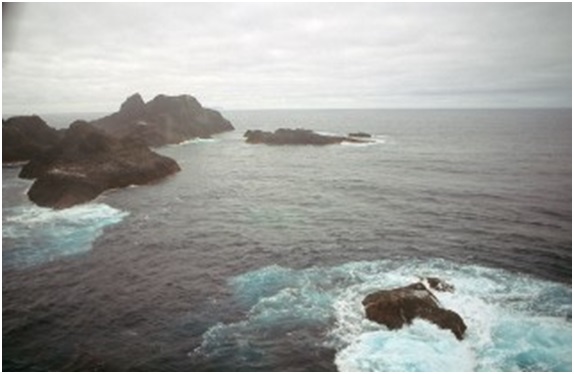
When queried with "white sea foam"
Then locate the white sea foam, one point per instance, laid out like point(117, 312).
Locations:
point(373, 140)
point(41, 234)
point(195, 141)
point(497, 307)
point(327, 133)
point(514, 322)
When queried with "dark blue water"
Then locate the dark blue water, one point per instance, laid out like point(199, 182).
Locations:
point(256, 257)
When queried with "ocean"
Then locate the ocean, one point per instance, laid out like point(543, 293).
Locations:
point(256, 258)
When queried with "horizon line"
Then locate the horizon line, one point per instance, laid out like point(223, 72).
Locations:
point(7, 115)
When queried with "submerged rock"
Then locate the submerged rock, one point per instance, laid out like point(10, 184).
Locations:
point(23, 137)
point(163, 120)
point(396, 307)
point(294, 137)
point(87, 162)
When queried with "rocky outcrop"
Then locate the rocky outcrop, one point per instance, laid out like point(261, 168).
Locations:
point(86, 162)
point(396, 307)
point(163, 120)
point(23, 137)
point(294, 137)
point(359, 135)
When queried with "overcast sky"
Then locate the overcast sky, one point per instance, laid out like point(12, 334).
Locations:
point(82, 57)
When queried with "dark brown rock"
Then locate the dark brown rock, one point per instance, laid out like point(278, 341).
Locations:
point(163, 120)
point(294, 137)
point(87, 162)
point(23, 137)
point(438, 284)
point(359, 135)
point(396, 307)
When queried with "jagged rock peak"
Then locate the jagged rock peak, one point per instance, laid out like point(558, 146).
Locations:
point(163, 120)
point(133, 105)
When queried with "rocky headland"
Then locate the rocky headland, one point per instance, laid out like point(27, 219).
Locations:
point(87, 162)
point(295, 137)
point(163, 120)
point(400, 306)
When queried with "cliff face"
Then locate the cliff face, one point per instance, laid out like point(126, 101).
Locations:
point(86, 162)
point(25, 136)
point(163, 120)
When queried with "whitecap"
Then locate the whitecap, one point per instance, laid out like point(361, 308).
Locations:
point(367, 142)
point(195, 141)
point(32, 234)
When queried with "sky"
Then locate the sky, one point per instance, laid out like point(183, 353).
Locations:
point(88, 57)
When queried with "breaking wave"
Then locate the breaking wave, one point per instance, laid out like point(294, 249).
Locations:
point(36, 235)
point(515, 322)
point(373, 140)
point(195, 141)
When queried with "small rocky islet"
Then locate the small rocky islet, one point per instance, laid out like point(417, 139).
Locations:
point(284, 136)
point(398, 307)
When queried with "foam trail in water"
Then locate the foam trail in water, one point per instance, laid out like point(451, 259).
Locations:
point(373, 140)
point(195, 141)
point(515, 322)
point(32, 235)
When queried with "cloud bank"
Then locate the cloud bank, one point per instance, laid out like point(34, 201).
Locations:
point(76, 57)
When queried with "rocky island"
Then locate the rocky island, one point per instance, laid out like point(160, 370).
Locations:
point(396, 307)
point(75, 165)
point(163, 120)
point(87, 162)
point(295, 137)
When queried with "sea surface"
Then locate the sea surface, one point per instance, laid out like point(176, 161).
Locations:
point(256, 257)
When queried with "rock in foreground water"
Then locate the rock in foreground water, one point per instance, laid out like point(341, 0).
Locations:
point(396, 307)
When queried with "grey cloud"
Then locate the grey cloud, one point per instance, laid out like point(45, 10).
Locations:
point(89, 57)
